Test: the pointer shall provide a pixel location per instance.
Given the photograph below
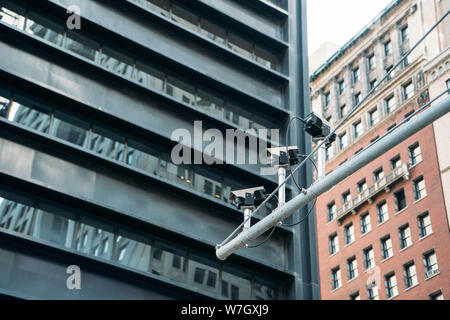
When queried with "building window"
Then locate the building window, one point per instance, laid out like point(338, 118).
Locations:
point(343, 111)
point(415, 154)
point(331, 211)
point(386, 248)
point(431, 264)
point(388, 48)
point(424, 223)
point(400, 200)
point(365, 223)
point(327, 99)
point(374, 117)
point(349, 232)
point(341, 85)
point(404, 235)
point(448, 85)
point(357, 99)
point(372, 291)
point(346, 197)
point(382, 212)
point(409, 114)
point(362, 186)
point(389, 73)
point(369, 258)
point(408, 90)
point(410, 273)
point(372, 62)
point(343, 141)
point(352, 266)
point(390, 104)
point(437, 295)
point(336, 281)
point(356, 75)
point(372, 84)
point(404, 34)
point(396, 162)
point(420, 190)
point(378, 174)
point(355, 296)
point(357, 129)
point(391, 127)
point(391, 286)
point(333, 242)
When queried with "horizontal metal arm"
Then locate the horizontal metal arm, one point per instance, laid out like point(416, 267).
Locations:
point(371, 153)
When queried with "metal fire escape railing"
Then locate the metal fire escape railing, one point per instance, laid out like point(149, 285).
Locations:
point(366, 196)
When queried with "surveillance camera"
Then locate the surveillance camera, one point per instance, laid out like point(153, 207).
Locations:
point(281, 158)
point(319, 130)
point(248, 197)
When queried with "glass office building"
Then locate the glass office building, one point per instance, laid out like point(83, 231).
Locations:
point(86, 176)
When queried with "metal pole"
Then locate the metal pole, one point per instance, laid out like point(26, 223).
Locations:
point(321, 162)
point(371, 153)
point(248, 223)
point(282, 191)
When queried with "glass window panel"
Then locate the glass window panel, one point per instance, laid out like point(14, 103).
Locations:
point(172, 172)
point(4, 107)
point(408, 90)
point(209, 186)
point(12, 17)
point(240, 46)
point(266, 58)
point(169, 263)
point(43, 29)
point(238, 116)
point(374, 117)
point(237, 287)
point(184, 17)
point(116, 62)
point(70, 132)
point(29, 117)
point(180, 91)
point(160, 6)
point(131, 253)
point(390, 104)
point(202, 275)
point(142, 160)
point(105, 146)
point(213, 32)
point(149, 77)
point(210, 104)
point(93, 241)
point(264, 290)
point(82, 46)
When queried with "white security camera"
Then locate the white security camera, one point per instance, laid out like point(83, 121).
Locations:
point(248, 197)
point(282, 156)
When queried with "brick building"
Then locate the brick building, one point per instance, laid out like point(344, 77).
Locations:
point(383, 233)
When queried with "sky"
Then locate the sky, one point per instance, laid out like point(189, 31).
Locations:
point(337, 21)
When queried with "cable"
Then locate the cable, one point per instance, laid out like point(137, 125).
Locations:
point(388, 74)
point(266, 239)
point(310, 210)
point(287, 149)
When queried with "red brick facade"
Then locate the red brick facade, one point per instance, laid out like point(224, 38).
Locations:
point(433, 203)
